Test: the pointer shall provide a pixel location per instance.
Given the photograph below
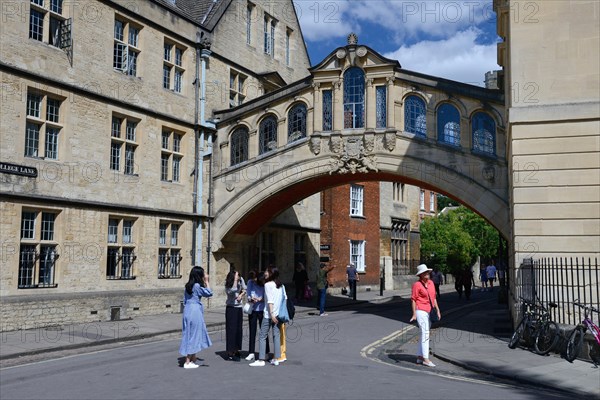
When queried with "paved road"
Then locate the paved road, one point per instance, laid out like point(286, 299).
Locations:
point(325, 362)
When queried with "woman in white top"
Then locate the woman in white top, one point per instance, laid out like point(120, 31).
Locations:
point(273, 296)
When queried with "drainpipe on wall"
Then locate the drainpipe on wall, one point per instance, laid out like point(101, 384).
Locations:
point(202, 55)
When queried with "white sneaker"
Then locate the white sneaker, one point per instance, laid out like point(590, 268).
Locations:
point(428, 364)
point(257, 363)
point(190, 365)
point(275, 362)
point(250, 357)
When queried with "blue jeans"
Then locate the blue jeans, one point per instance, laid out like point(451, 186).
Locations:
point(322, 294)
point(266, 325)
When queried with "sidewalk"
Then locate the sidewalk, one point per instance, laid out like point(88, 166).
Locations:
point(477, 340)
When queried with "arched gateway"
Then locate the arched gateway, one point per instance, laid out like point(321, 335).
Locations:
point(358, 117)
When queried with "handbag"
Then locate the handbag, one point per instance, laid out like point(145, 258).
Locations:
point(432, 314)
point(283, 316)
point(248, 308)
point(307, 292)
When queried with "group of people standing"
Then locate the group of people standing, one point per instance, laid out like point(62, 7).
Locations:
point(266, 294)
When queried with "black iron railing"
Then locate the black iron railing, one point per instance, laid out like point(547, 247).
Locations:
point(561, 281)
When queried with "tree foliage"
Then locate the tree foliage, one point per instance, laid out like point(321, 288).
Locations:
point(453, 241)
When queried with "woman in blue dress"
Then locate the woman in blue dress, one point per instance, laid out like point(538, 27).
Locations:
point(195, 336)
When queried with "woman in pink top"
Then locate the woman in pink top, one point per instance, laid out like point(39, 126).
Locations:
point(423, 299)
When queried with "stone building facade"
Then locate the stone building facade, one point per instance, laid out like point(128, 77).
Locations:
point(106, 141)
point(553, 126)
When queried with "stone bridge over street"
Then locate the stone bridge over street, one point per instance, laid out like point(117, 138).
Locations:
point(358, 117)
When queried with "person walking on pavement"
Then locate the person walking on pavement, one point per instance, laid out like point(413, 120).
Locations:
point(502, 276)
point(466, 280)
point(256, 294)
point(194, 337)
point(438, 278)
point(300, 279)
point(423, 301)
point(322, 284)
point(483, 278)
point(273, 296)
point(352, 275)
point(491, 274)
point(235, 288)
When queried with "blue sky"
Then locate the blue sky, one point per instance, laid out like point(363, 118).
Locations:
point(451, 39)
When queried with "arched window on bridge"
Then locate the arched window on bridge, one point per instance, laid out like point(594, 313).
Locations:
point(354, 98)
point(484, 133)
point(448, 124)
point(297, 122)
point(267, 139)
point(239, 146)
point(415, 116)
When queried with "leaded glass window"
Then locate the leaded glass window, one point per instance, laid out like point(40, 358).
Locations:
point(414, 116)
point(448, 124)
point(267, 140)
point(239, 146)
point(484, 133)
point(297, 122)
point(327, 110)
point(354, 98)
point(381, 102)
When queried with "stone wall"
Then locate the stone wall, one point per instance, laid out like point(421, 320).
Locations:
point(64, 309)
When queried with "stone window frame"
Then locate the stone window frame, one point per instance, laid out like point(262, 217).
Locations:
point(119, 249)
point(46, 21)
point(269, 26)
point(124, 141)
point(38, 250)
point(173, 71)
point(399, 241)
point(327, 110)
point(448, 126)
point(267, 135)
point(169, 250)
point(171, 155)
point(126, 45)
point(483, 137)
point(415, 115)
point(357, 193)
point(297, 118)
point(288, 45)
point(237, 88)
point(357, 254)
point(239, 145)
point(249, 11)
point(267, 244)
point(354, 98)
point(398, 192)
point(43, 114)
point(381, 106)
point(431, 201)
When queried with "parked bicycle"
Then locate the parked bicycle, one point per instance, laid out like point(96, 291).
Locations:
point(575, 340)
point(536, 329)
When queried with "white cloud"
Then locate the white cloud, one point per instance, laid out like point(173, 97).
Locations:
point(325, 19)
point(458, 58)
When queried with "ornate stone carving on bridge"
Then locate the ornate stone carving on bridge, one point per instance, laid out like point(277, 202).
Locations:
point(352, 154)
point(314, 144)
point(389, 140)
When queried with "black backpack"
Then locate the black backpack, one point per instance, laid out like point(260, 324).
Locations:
point(291, 308)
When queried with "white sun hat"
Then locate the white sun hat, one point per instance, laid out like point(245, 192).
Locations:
point(422, 268)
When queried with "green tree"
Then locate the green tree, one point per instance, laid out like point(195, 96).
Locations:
point(444, 201)
point(445, 244)
point(453, 240)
